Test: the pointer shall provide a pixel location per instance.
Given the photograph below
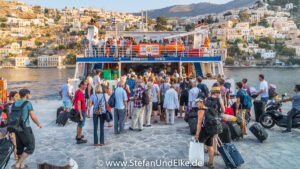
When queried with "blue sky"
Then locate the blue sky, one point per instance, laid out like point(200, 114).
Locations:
point(117, 5)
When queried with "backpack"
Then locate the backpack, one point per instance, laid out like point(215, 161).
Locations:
point(247, 102)
point(212, 123)
point(184, 89)
point(112, 100)
point(99, 110)
point(15, 122)
point(145, 97)
point(204, 90)
point(272, 93)
point(3, 116)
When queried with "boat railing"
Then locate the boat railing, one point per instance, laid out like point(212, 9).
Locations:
point(148, 50)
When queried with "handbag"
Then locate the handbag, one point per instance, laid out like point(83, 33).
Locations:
point(108, 115)
point(196, 154)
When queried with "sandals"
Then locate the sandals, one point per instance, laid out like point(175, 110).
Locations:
point(209, 165)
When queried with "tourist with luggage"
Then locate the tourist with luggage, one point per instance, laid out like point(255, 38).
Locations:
point(202, 135)
point(24, 138)
point(240, 107)
point(148, 107)
point(295, 108)
point(120, 108)
point(88, 93)
point(193, 95)
point(98, 100)
point(164, 86)
point(138, 106)
point(185, 86)
point(80, 107)
point(246, 86)
point(65, 93)
point(171, 103)
point(263, 89)
point(215, 101)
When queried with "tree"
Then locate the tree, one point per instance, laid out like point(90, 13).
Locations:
point(229, 61)
point(38, 43)
point(161, 21)
point(227, 14)
point(288, 51)
point(210, 19)
point(3, 25)
point(189, 27)
point(70, 59)
point(234, 51)
point(264, 23)
point(257, 56)
point(60, 47)
point(243, 15)
point(3, 19)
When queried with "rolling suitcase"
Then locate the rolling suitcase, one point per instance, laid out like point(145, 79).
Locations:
point(59, 111)
point(259, 109)
point(259, 132)
point(235, 131)
point(225, 136)
point(230, 155)
point(62, 118)
point(6, 149)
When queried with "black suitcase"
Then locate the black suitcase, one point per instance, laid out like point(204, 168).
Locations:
point(62, 118)
point(259, 132)
point(259, 109)
point(225, 136)
point(59, 111)
point(235, 131)
point(6, 149)
point(193, 125)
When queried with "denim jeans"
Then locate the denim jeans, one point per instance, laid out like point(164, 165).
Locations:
point(289, 121)
point(119, 120)
point(264, 99)
point(96, 119)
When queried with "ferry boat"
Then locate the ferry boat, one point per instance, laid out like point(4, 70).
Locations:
point(186, 52)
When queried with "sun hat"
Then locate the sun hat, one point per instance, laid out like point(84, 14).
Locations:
point(216, 89)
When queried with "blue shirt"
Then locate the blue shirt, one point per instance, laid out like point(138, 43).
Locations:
point(296, 101)
point(121, 96)
point(155, 90)
point(131, 83)
point(193, 95)
point(25, 113)
point(65, 90)
point(95, 99)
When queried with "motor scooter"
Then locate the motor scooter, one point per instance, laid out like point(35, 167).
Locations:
point(274, 116)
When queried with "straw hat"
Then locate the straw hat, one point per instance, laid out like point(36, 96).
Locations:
point(215, 89)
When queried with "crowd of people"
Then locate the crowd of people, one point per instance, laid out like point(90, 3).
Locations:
point(144, 99)
point(127, 46)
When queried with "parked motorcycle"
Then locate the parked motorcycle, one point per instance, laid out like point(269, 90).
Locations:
point(274, 116)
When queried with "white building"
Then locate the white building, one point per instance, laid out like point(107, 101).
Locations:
point(268, 55)
point(50, 61)
point(22, 61)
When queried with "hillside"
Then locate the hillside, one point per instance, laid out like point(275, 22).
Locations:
point(197, 9)
point(10, 9)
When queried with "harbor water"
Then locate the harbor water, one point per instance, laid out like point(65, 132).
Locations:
point(45, 83)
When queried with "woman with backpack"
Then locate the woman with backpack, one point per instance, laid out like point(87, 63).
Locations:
point(202, 135)
point(214, 100)
point(224, 91)
point(98, 100)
